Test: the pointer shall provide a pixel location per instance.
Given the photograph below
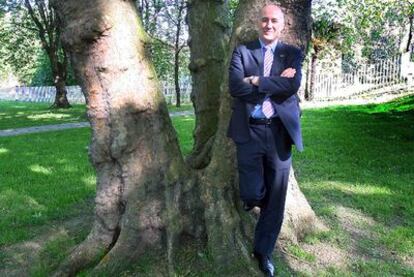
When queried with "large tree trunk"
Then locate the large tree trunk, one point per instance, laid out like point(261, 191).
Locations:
point(207, 19)
point(146, 196)
point(139, 167)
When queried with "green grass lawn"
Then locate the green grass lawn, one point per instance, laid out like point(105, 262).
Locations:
point(43, 177)
point(360, 159)
point(25, 114)
point(357, 159)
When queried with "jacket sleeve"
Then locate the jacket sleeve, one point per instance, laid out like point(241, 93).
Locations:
point(282, 87)
point(237, 87)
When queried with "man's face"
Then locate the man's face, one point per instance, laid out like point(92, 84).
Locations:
point(271, 23)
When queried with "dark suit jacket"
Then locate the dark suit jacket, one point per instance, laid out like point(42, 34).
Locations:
point(247, 60)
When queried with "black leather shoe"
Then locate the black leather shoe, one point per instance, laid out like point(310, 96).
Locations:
point(265, 264)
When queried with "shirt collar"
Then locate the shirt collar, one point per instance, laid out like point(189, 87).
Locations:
point(272, 45)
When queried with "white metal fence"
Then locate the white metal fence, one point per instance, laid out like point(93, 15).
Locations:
point(168, 90)
point(398, 70)
point(75, 95)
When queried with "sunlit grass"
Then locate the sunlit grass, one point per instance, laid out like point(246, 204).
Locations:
point(184, 126)
point(44, 177)
point(48, 177)
point(24, 114)
point(362, 158)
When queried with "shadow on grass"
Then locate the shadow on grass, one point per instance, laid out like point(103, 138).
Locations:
point(361, 158)
point(43, 179)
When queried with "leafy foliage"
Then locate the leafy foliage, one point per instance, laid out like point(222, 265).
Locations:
point(19, 47)
point(366, 29)
point(164, 22)
point(23, 54)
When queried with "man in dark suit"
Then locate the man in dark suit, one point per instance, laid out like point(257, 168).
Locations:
point(264, 77)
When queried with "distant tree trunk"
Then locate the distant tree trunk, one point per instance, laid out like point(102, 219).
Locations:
point(313, 62)
point(177, 50)
point(147, 198)
point(59, 70)
point(177, 79)
point(308, 79)
point(61, 100)
point(209, 38)
point(410, 33)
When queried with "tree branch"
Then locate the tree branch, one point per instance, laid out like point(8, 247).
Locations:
point(41, 29)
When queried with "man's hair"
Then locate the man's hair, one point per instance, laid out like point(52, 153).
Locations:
point(270, 3)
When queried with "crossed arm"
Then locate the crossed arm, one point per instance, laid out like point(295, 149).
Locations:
point(253, 88)
point(254, 80)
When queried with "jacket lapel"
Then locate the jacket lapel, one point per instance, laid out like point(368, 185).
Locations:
point(257, 54)
point(278, 59)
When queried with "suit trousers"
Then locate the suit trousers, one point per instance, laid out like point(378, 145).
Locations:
point(263, 164)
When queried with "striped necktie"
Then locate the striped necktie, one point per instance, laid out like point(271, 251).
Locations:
point(267, 107)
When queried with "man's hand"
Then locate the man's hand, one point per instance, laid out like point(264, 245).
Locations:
point(247, 79)
point(253, 80)
point(288, 73)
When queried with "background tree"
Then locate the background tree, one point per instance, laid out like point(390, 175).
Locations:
point(407, 17)
point(43, 16)
point(22, 58)
point(39, 17)
point(147, 198)
point(160, 49)
point(20, 50)
point(369, 30)
point(325, 38)
point(164, 22)
point(149, 11)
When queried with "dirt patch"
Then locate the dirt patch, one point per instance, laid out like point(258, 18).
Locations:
point(356, 223)
point(408, 261)
point(327, 255)
point(18, 259)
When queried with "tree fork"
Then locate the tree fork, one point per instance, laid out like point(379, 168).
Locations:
point(209, 37)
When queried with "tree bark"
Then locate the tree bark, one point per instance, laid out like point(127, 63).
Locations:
point(209, 37)
point(147, 198)
point(134, 149)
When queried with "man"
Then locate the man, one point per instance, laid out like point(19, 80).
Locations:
point(264, 76)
